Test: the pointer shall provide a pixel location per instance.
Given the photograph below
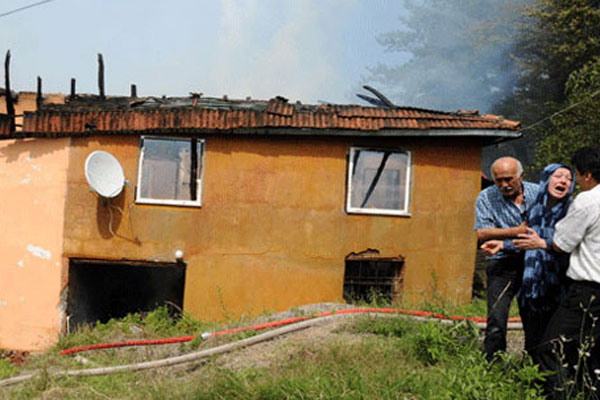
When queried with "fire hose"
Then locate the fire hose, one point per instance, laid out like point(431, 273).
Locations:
point(479, 321)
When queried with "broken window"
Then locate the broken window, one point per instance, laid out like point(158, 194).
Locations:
point(170, 171)
point(378, 181)
point(369, 277)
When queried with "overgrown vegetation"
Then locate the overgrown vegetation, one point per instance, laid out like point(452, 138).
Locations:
point(7, 369)
point(367, 357)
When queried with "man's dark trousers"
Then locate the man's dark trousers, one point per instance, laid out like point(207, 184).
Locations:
point(504, 276)
point(573, 321)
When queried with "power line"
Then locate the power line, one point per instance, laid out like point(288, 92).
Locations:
point(39, 3)
point(596, 93)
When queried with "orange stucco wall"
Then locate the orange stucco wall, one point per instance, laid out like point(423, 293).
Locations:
point(33, 173)
point(272, 232)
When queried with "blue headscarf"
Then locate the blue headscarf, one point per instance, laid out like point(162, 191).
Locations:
point(543, 277)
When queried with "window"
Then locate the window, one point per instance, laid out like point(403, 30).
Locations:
point(378, 181)
point(368, 275)
point(170, 171)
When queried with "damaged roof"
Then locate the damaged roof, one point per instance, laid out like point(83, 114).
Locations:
point(92, 115)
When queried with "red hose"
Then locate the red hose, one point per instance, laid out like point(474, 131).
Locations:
point(273, 324)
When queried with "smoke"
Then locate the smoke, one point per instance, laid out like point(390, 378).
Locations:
point(460, 54)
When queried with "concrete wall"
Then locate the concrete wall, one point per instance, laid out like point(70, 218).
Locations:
point(272, 232)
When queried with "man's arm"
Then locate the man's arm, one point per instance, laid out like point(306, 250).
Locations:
point(570, 231)
point(486, 234)
point(556, 248)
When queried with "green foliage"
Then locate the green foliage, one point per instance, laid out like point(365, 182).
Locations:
point(154, 324)
point(579, 381)
point(580, 124)
point(556, 38)
point(373, 357)
point(470, 377)
point(7, 369)
point(385, 326)
point(159, 321)
point(434, 342)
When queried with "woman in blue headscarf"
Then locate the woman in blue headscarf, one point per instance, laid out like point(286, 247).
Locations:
point(544, 281)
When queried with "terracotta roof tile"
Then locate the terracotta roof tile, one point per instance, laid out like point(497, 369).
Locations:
point(209, 114)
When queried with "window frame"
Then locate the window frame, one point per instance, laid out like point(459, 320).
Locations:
point(405, 211)
point(201, 145)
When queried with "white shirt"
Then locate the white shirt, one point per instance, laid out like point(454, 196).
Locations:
point(578, 233)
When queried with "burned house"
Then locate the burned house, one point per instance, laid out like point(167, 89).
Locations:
point(229, 207)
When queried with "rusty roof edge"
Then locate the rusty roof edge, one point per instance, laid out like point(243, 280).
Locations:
point(457, 132)
point(445, 133)
point(469, 132)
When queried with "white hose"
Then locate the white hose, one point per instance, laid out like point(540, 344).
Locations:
point(179, 359)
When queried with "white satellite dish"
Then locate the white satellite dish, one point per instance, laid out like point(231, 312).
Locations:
point(104, 174)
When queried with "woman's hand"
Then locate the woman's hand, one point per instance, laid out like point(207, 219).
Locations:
point(492, 247)
point(529, 241)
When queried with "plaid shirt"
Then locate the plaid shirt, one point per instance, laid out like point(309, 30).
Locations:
point(492, 210)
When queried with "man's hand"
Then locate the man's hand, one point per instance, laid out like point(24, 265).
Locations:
point(492, 247)
point(521, 229)
point(529, 241)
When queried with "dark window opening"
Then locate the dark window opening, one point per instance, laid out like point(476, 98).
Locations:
point(101, 290)
point(368, 276)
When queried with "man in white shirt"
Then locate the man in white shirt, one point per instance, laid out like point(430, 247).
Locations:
point(576, 324)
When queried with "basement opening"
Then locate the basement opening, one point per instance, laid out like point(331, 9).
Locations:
point(369, 277)
point(99, 290)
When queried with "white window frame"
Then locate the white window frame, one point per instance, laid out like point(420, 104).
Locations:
point(201, 144)
point(405, 212)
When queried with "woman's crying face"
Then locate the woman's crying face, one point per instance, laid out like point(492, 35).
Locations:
point(560, 182)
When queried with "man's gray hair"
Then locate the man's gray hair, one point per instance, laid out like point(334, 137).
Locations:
point(519, 167)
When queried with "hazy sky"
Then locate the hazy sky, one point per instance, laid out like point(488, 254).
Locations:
point(307, 50)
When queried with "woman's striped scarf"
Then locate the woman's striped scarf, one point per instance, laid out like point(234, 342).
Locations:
point(544, 273)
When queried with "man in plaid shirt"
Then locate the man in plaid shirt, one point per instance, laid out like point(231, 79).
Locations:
point(500, 213)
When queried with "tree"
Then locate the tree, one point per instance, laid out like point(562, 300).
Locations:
point(460, 54)
point(557, 54)
point(579, 123)
point(555, 39)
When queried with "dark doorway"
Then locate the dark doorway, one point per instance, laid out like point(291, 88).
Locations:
point(100, 290)
point(369, 277)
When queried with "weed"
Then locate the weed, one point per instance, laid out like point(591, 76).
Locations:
point(7, 369)
point(434, 342)
point(386, 357)
point(385, 326)
point(297, 311)
point(159, 321)
point(189, 325)
point(221, 301)
point(575, 378)
point(470, 376)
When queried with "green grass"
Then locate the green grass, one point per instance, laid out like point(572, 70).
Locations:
point(7, 369)
point(367, 357)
